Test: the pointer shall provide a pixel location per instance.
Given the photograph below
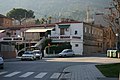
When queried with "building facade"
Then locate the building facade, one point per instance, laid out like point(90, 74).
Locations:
point(93, 39)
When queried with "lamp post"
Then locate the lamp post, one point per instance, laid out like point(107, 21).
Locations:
point(116, 40)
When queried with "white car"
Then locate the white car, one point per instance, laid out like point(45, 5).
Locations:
point(1, 63)
point(28, 55)
point(38, 54)
point(66, 52)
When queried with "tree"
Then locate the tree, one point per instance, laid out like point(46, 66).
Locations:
point(113, 19)
point(20, 14)
point(37, 21)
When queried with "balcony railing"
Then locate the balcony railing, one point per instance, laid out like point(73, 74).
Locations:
point(11, 39)
point(65, 37)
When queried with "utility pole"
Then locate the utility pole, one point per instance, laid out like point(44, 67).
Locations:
point(25, 32)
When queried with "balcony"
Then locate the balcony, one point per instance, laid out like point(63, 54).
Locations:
point(65, 37)
point(11, 39)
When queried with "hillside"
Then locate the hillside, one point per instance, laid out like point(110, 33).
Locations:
point(56, 8)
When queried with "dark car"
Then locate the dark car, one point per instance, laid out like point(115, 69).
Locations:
point(1, 63)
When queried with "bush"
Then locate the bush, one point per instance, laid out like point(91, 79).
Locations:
point(55, 49)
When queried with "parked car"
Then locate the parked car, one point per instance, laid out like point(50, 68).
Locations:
point(28, 55)
point(1, 63)
point(38, 54)
point(66, 52)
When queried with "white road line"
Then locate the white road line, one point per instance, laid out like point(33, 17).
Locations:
point(41, 75)
point(26, 74)
point(55, 75)
point(11, 74)
point(3, 72)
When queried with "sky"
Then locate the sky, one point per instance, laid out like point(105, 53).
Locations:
point(54, 7)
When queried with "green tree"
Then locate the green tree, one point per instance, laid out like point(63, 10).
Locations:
point(37, 21)
point(20, 14)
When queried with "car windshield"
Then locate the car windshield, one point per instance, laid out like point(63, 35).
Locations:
point(64, 51)
point(28, 53)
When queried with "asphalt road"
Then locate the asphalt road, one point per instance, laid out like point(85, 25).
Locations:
point(45, 69)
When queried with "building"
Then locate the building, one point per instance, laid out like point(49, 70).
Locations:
point(85, 38)
point(5, 21)
point(93, 38)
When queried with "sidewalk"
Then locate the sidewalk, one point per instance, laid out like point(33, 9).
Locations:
point(83, 72)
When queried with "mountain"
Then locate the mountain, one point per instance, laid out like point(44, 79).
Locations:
point(56, 8)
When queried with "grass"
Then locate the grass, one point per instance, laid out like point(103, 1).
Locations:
point(110, 70)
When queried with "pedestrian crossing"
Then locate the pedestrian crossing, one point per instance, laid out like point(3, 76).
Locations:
point(26, 74)
point(41, 75)
point(20, 74)
point(11, 74)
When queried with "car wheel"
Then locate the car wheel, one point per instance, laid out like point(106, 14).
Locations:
point(2, 67)
point(32, 58)
point(65, 55)
point(38, 57)
point(41, 57)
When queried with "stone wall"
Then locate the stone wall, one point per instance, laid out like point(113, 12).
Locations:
point(7, 51)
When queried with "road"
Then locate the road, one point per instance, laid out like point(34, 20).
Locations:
point(45, 69)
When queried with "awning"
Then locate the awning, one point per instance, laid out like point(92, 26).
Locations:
point(38, 30)
point(64, 26)
point(2, 31)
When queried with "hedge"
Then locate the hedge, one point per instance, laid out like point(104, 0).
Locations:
point(55, 49)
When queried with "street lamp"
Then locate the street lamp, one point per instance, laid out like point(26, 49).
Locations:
point(116, 40)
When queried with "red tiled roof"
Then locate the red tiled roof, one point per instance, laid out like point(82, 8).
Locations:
point(30, 26)
point(68, 22)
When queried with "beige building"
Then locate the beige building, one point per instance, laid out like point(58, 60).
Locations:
point(93, 39)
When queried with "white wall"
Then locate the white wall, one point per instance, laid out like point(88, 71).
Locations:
point(77, 27)
point(56, 32)
point(77, 47)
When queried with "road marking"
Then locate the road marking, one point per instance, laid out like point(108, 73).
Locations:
point(3, 72)
point(11, 74)
point(26, 74)
point(41, 75)
point(55, 75)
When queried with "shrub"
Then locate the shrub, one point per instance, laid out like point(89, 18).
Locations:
point(57, 48)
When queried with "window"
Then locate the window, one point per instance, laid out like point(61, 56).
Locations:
point(62, 32)
point(85, 29)
point(76, 33)
point(92, 31)
point(76, 45)
point(67, 29)
point(89, 30)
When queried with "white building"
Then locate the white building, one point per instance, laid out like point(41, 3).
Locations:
point(69, 32)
